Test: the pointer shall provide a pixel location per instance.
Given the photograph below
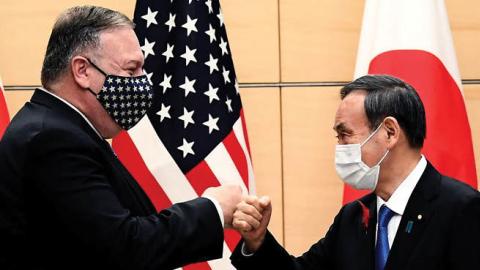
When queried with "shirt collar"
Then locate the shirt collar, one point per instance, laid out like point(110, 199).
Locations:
point(74, 108)
point(399, 199)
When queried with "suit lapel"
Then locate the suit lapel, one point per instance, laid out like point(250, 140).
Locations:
point(368, 233)
point(415, 219)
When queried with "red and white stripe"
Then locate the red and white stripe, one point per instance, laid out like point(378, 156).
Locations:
point(4, 117)
point(147, 158)
point(411, 40)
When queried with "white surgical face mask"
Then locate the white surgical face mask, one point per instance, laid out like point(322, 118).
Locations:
point(352, 170)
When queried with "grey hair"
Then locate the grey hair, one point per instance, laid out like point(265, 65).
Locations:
point(75, 31)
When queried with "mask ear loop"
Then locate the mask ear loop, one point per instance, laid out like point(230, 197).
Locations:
point(99, 70)
point(384, 156)
point(371, 135)
point(96, 67)
point(93, 93)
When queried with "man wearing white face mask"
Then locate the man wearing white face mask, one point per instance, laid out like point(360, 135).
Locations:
point(351, 168)
point(415, 218)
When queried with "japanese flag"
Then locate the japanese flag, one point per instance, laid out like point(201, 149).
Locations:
point(411, 40)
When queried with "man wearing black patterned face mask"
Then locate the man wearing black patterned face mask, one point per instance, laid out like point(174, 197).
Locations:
point(66, 201)
point(126, 99)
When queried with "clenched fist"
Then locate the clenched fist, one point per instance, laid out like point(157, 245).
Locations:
point(228, 196)
point(251, 219)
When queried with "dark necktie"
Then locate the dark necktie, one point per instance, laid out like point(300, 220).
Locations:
point(382, 248)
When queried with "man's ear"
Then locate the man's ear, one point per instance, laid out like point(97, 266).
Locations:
point(393, 131)
point(80, 71)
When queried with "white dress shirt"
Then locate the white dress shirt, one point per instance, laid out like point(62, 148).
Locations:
point(399, 199)
point(213, 200)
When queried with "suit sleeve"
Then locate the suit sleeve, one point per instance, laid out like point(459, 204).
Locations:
point(271, 255)
point(465, 239)
point(75, 185)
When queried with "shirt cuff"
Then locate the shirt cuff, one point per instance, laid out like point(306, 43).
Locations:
point(245, 253)
point(218, 207)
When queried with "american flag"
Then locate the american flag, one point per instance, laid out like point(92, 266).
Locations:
point(4, 118)
point(195, 135)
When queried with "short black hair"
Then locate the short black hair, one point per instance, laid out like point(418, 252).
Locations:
point(390, 96)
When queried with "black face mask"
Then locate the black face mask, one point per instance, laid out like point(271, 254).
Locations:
point(126, 99)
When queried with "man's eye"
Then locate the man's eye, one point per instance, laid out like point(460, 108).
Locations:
point(341, 137)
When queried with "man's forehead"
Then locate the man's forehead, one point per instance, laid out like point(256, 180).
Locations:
point(351, 111)
point(354, 101)
point(120, 42)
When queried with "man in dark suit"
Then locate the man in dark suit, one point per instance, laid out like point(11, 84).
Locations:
point(66, 202)
point(415, 218)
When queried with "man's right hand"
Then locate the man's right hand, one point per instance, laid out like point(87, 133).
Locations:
point(228, 196)
point(251, 219)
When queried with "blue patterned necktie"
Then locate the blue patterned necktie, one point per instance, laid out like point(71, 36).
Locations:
point(382, 248)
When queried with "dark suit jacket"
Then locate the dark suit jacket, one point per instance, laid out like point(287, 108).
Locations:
point(446, 237)
point(66, 202)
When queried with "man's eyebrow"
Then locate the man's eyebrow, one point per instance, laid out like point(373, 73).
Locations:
point(339, 127)
point(342, 128)
point(132, 61)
